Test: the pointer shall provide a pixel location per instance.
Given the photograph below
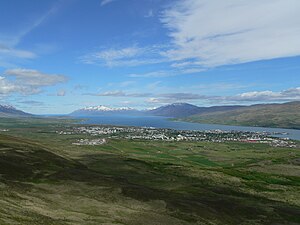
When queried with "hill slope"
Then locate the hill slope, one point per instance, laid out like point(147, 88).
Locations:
point(185, 109)
point(285, 115)
point(44, 179)
point(175, 110)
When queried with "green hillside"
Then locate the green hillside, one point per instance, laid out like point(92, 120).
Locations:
point(44, 179)
point(285, 115)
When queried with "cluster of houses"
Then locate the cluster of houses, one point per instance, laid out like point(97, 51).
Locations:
point(99, 141)
point(149, 133)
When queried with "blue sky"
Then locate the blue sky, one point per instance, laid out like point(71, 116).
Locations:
point(60, 55)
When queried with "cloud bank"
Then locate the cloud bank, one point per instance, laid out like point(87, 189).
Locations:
point(126, 57)
point(215, 33)
point(27, 81)
point(292, 94)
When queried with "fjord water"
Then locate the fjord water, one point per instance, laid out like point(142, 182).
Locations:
point(164, 122)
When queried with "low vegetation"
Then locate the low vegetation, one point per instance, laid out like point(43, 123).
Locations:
point(44, 179)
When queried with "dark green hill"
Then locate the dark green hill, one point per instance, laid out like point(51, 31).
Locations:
point(285, 115)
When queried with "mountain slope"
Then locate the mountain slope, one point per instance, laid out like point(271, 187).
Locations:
point(175, 110)
point(185, 110)
point(10, 111)
point(285, 115)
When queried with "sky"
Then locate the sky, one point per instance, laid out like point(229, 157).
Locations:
point(57, 56)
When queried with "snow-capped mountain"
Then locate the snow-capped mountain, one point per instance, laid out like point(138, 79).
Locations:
point(100, 110)
point(10, 111)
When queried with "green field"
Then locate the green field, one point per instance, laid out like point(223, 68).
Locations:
point(44, 179)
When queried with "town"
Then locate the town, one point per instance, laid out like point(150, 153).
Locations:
point(102, 133)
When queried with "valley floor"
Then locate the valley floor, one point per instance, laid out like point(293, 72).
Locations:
point(44, 179)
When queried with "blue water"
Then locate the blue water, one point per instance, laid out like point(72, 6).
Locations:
point(163, 122)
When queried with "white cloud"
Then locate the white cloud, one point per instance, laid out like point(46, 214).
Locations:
point(113, 57)
point(182, 96)
point(162, 97)
point(112, 94)
point(212, 33)
point(105, 2)
point(61, 93)
point(155, 100)
point(292, 94)
point(115, 54)
point(122, 84)
point(149, 14)
point(167, 98)
point(129, 56)
point(161, 73)
point(117, 93)
point(11, 52)
point(32, 103)
point(27, 81)
point(127, 83)
point(6, 87)
point(34, 77)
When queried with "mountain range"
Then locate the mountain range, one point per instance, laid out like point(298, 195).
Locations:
point(286, 115)
point(175, 110)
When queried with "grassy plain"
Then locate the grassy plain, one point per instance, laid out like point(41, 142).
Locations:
point(44, 179)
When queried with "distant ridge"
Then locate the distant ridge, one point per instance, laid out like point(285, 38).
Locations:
point(184, 110)
point(175, 110)
point(286, 115)
point(10, 111)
